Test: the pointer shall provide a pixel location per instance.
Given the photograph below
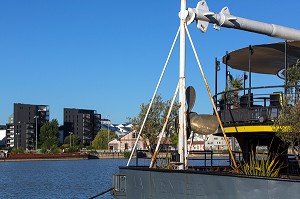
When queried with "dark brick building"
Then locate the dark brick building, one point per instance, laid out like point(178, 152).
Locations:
point(83, 123)
point(28, 119)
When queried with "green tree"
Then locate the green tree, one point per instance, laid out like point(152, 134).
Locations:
point(75, 140)
point(293, 82)
point(101, 139)
point(287, 125)
point(155, 120)
point(49, 135)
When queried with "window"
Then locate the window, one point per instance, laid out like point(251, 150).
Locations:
point(133, 135)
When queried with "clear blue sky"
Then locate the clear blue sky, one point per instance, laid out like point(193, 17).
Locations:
point(108, 55)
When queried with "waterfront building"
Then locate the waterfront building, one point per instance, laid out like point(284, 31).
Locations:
point(128, 140)
point(10, 143)
point(27, 122)
point(83, 123)
point(2, 136)
point(114, 145)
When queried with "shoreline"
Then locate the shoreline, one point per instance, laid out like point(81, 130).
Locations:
point(41, 159)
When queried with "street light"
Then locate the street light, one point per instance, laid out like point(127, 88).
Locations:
point(17, 134)
point(71, 138)
point(17, 140)
point(36, 131)
point(108, 132)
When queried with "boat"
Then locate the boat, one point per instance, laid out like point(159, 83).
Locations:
point(249, 120)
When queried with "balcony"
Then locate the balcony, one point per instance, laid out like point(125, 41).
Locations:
point(258, 108)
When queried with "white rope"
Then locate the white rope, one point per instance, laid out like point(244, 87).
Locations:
point(154, 94)
point(164, 127)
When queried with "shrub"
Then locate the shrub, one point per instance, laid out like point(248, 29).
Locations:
point(267, 166)
point(127, 154)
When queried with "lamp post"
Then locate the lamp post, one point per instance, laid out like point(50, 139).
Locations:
point(17, 134)
point(108, 131)
point(71, 138)
point(36, 131)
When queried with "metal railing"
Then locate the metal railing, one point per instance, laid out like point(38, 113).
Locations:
point(203, 160)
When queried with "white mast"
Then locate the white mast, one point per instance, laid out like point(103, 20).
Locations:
point(182, 137)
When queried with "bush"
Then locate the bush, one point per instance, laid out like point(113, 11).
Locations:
point(72, 149)
point(17, 151)
point(53, 150)
point(127, 154)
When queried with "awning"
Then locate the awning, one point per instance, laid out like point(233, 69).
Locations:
point(266, 58)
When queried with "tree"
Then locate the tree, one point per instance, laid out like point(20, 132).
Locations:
point(101, 139)
point(49, 135)
point(75, 140)
point(287, 125)
point(155, 121)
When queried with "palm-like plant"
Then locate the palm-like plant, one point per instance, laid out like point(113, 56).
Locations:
point(267, 166)
point(235, 84)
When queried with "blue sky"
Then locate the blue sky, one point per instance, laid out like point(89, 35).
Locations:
point(108, 55)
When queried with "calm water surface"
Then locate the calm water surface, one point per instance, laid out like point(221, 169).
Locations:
point(62, 179)
point(57, 179)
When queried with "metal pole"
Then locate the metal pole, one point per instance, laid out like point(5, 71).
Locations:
point(285, 67)
point(182, 138)
point(226, 79)
point(249, 71)
point(245, 83)
point(70, 138)
point(217, 67)
point(36, 131)
point(19, 123)
point(17, 134)
point(108, 132)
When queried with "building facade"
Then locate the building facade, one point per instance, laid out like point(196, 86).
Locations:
point(2, 136)
point(127, 142)
point(83, 123)
point(27, 122)
point(10, 139)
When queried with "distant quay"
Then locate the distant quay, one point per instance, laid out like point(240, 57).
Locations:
point(34, 156)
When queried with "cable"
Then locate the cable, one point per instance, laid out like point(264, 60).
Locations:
point(99, 194)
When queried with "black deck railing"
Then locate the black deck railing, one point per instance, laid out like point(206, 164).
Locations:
point(263, 105)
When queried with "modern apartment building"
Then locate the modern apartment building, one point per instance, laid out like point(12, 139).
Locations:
point(10, 139)
point(28, 119)
point(83, 123)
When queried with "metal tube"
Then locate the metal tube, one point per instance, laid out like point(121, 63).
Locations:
point(182, 150)
point(285, 67)
point(36, 131)
point(224, 19)
point(216, 79)
point(226, 79)
point(249, 71)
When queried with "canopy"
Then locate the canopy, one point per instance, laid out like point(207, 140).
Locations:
point(266, 58)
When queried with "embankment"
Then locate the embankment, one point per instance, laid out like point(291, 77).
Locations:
point(33, 156)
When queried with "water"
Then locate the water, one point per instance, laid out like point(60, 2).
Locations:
point(63, 179)
point(57, 179)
